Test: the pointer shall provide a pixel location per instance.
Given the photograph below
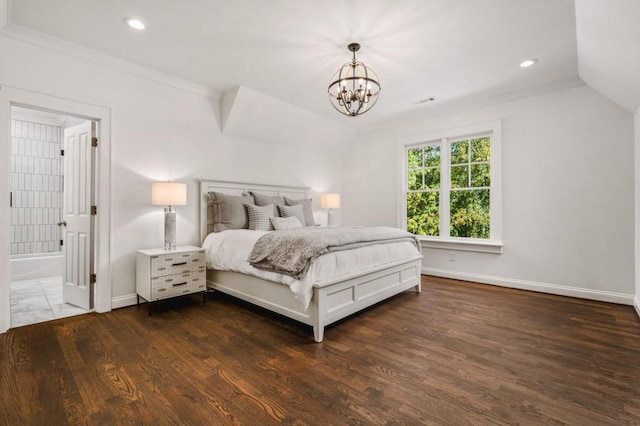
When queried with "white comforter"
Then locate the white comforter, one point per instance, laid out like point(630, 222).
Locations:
point(229, 250)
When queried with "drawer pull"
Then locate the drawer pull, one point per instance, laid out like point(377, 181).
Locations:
point(179, 284)
point(179, 264)
point(161, 289)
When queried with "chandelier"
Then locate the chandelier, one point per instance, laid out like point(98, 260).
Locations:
point(354, 89)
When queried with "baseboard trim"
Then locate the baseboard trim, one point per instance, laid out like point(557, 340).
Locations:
point(124, 301)
point(636, 304)
point(562, 290)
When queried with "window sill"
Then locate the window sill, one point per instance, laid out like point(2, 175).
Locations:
point(477, 246)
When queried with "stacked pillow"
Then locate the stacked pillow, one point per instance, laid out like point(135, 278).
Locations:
point(292, 211)
point(255, 211)
point(306, 208)
point(259, 217)
point(265, 200)
point(229, 211)
point(281, 223)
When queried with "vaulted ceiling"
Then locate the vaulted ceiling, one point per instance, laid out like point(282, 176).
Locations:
point(461, 52)
point(608, 37)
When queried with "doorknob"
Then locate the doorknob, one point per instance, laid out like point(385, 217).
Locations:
point(63, 223)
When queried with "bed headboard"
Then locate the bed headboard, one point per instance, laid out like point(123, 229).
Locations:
point(239, 188)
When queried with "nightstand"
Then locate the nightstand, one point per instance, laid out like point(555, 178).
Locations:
point(162, 274)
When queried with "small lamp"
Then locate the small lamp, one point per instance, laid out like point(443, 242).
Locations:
point(330, 201)
point(169, 194)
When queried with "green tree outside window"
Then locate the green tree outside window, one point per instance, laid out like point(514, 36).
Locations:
point(469, 172)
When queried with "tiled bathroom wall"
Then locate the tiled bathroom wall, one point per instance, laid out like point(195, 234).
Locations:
point(36, 187)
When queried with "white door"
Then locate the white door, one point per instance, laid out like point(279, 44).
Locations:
point(77, 222)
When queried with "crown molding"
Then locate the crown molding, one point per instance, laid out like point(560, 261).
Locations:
point(477, 101)
point(25, 35)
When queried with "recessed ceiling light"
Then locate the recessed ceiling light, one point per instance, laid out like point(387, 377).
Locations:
point(134, 23)
point(528, 62)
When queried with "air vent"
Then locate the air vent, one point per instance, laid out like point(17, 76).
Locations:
point(425, 100)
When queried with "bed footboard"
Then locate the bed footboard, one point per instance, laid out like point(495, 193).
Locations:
point(339, 299)
point(332, 300)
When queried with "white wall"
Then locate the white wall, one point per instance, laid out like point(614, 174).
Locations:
point(567, 194)
point(159, 132)
point(637, 208)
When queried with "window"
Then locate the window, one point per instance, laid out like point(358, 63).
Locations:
point(423, 190)
point(470, 188)
point(451, 187)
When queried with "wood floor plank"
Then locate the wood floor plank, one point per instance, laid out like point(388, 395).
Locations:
point(459, 353)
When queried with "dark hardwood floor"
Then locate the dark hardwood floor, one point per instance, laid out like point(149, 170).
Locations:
point(459, 354)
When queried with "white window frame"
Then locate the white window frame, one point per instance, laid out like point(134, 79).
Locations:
point(444, 138)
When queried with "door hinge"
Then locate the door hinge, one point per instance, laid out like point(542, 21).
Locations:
point(92, 279)
point(94, 210)
point(62, 152)
point(94, 142)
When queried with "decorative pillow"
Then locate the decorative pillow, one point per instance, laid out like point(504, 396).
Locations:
point(229, 211)
point(281, 223)
point(259, 217)
point(306, 208)
point(292, 211)
point(265, 200)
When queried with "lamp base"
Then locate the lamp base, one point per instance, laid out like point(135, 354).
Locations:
point(169, 228)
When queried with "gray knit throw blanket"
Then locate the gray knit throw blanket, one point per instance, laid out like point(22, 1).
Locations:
point(291, 252)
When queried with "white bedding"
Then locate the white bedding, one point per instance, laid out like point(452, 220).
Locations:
point(229, 250)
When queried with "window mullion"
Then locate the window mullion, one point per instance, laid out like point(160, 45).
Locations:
point(445, 184)
point(469, 164)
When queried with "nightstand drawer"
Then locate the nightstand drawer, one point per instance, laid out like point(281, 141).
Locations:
point(176, 263)
point(162, 274)
point(175, 285)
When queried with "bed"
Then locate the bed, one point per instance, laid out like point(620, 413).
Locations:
point(332, 298)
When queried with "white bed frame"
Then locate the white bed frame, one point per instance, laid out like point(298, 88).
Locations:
point(332, 299)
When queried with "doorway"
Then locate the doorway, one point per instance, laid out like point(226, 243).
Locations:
point(46, 166)
point(13, 96)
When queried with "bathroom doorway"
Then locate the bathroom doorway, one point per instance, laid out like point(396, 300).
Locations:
point(11, 96)
point(51, 190)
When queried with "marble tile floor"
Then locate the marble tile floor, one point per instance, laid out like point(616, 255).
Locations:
point(39, 300)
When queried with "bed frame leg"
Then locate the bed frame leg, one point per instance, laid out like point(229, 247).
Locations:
point(318, 333)
point(418, 288)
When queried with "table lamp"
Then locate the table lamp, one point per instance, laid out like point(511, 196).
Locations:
point(330, 201)
point(169, 194)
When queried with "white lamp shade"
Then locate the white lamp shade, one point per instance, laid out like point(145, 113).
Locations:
point(330, 201)
point(169, 194)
